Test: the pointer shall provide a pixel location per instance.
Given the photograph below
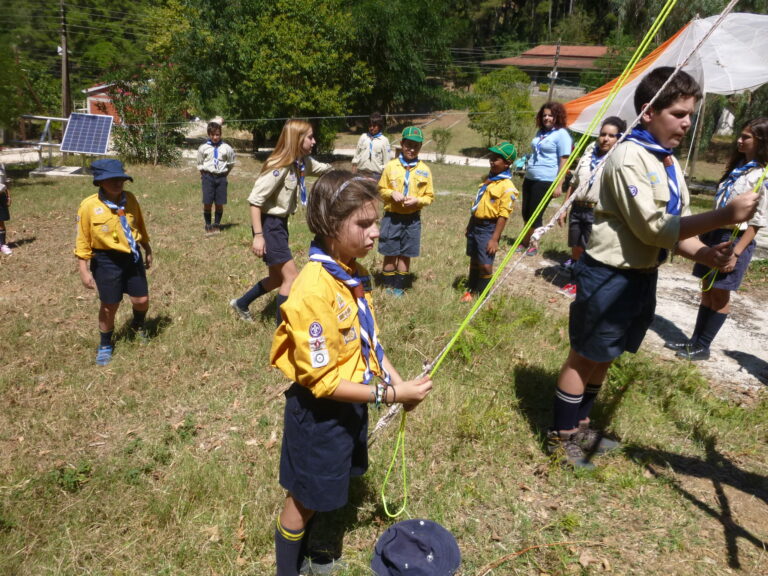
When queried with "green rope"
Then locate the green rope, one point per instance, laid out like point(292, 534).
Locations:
point(577, 151)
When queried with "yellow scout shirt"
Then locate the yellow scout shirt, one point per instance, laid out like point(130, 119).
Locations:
point(318, 342)
point(99, 228)
point(419, 186)
point(276, 192)
point(631, 222)
point(496, 201)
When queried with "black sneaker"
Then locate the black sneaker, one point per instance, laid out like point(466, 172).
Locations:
point(593, 442)
point(693, 353)
point(670, 345)
point(567, 450)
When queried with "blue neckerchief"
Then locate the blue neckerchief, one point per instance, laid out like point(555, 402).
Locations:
point(302, 186)
point(120, 209)
point(593, 162)
point(370, 143)
point(407, 166)
point(215, 152)
point(368, 339)
point(725, 190)
point(645, 139)
point(491, 178)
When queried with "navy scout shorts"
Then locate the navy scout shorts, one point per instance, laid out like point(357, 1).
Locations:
point(732, 280)
point(5, 214)
point(478, 235)
point(580, 224)
point(325, 443)
point(275, 231)
point(612, 311)
point(400, 234)
point(116, 274)
point(214, 188)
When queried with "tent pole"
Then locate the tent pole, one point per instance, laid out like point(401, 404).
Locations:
point(693, 153)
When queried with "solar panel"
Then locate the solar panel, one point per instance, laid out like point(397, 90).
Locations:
point(87, 134)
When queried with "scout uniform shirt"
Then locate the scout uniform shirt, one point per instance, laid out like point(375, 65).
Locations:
point(372, 153)
point(631, 222)
point(206, 162)
point(496, 201)
point(419, 186)
point(746, 183)
point(99, 228)
point(583, 174)
point(276, 192)
point(318, 342)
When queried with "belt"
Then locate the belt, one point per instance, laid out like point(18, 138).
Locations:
point(582, 204)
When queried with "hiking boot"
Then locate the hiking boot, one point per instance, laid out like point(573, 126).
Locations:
point(592, 441)
point(243, 313)
point(466, 298)
point(669, 345)
point(694, 353)
point(5, 249)
point(567, 450)
point(104, 355)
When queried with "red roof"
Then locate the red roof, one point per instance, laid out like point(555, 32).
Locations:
point(543, 56)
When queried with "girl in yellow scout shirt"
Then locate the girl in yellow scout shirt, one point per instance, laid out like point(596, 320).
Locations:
point(327, 345)
point(274, 198)
point(110, 229)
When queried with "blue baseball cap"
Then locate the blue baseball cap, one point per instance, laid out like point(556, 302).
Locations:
point(106, 168)
point(416, 548)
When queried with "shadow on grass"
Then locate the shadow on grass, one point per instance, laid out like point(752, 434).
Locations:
point(326, 536)
point(751, 363)
point(154, 325)
point(722, 472)
point(535, 389)
point(555, 275)
point(22, 241)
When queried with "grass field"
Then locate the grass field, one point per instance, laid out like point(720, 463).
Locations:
point(166, 461)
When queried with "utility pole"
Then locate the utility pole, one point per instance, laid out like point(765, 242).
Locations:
point(553, 75)
point(66, 98)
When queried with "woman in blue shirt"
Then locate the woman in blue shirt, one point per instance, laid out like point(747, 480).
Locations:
point(551, 147)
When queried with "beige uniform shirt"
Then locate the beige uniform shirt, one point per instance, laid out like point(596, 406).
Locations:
point(372, 154)
point(583, 173)
point(276, 192)
point(631, 222)
point(221, 165)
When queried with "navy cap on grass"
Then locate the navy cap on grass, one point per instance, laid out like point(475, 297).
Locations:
point(416, 548)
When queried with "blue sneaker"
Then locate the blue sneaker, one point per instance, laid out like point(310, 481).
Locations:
point(104, 355)
point(396, 292)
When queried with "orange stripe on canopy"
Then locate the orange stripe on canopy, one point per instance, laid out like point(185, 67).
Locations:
point(576, 107)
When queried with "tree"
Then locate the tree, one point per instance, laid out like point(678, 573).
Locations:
point(501, 107)
point(11, 88)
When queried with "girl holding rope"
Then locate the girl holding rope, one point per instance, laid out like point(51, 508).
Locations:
point(742, 174)
point(327, 346)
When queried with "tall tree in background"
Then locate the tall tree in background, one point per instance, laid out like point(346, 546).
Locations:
point(501, 106)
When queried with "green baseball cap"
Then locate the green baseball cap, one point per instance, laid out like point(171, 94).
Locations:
point(506, 150)
point(413, 133)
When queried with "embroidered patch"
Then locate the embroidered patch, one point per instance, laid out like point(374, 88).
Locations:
point(633, 191)
point(344, 314)
point(340, 302)
point(349, 335)
point(423, 173)
point(315, 330)
point(654, 178)
point(105, 228)
point(276, 173)
point(98, 210)
point(320, 358)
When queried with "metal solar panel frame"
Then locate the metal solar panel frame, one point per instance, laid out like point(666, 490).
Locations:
point(87, 134)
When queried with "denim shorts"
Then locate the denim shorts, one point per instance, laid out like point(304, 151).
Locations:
point(116, 274)
point(214, 188)
point(730, 280)
point(400, 234)
point(325, 443)
point(275, 230)
point(613, 309)
point(478, 235)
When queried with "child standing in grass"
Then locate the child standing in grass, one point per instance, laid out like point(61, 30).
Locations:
point(5, 214)
point(110, 230)
point(490, 212)
point(406, 188)
point(275, 196)
point(215, 159)
point(327, 346)
point(373, 151)
point(642, 212)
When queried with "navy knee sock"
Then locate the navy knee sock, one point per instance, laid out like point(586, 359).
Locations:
point(217, 217)
point(566, 410)
point(711, 328)
point(256, 290)
point(278, 302)
point(388, 278)
point(474, 274)
point(401, 280)
point(701, 320)
point(207, 217)
point(2, 236)
point(288, 545)
point(590, 395)
point(481, 284)
point(106, 338)
point(138, 319)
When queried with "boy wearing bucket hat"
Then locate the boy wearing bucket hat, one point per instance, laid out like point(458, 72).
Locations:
point(110, 229)
point(405, 187)
point(490, 212)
